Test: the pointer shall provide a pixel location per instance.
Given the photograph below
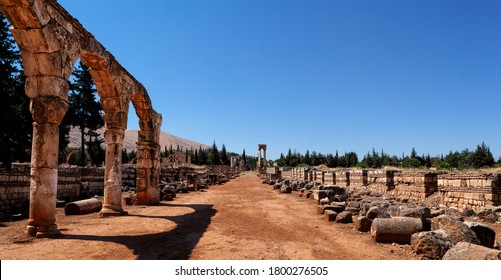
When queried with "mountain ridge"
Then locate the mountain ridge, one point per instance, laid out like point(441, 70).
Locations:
point(131, 137)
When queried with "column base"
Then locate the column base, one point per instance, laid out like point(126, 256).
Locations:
point(43, 231)
point(106, 212)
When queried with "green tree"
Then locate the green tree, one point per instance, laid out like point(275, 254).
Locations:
point(482, 157)
point(411, 163)
point(84, 110)
point(203, 158)
point(214, 157)
point(15, 120)
point(224, 156)
point(244, 157)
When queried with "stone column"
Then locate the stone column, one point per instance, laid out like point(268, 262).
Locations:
point(265, 162)
point(148, 173)
point(48, 106)
point(112, 204)
point(258, 157)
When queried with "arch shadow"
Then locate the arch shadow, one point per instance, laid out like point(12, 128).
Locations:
point(175, 244)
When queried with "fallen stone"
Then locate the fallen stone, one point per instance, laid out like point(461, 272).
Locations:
point(330, 215)
point(344, 217)
point(362, 223)
point(321, 208)
point(418, 212)
point(436, 220)
point(285, 189)
point(468, 251)
point(485, 234)
point(436, 212)
point(456, 230)
point(377, 212)
point(431, 244)
point(398, 229)
point(83, 207)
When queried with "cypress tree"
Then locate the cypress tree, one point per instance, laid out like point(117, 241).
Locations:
point(84, 110)
point(15, 119)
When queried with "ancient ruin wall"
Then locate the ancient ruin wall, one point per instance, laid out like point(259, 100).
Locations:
point(415, 185)
point(358, 178)
point(381, 181)
point(15, 184)
point(343, 178)
point(470, 190)
point(330, 178)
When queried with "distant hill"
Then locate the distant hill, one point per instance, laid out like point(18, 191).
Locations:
point(130, 140)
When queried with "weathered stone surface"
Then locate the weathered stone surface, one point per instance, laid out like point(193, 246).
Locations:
point(377, 212)
point(417, 212)
point(344, 217)
point(330, 215)
point(398, 229)
point(436, 220)
point(362, 223)
point(485, 234)
point(456, 230)
point(468, 251)
point(286, 189)
point(431, 244)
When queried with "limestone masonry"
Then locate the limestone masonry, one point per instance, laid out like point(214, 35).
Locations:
point(465, 190)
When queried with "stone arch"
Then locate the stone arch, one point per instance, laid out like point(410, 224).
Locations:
point(114, 96)
point(148, 149)
point(51, 41)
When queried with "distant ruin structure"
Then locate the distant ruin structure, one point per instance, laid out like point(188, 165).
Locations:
point(261, 161)
point(51, 41)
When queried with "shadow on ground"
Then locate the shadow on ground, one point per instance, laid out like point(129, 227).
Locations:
point(176, 244)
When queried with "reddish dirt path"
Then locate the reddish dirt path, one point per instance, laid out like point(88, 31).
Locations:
point(243, 220)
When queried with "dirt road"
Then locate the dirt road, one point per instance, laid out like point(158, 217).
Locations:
point(242, 220)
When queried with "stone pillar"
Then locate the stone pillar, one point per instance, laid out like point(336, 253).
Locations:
point(259, 158)
point(148, 173)
point(265, 162)
point(112, 204)
point(48, 106)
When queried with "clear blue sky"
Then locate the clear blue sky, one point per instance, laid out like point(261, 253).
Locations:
point(320, 75)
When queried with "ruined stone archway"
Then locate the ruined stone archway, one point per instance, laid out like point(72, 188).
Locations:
point(148, 150)
point(50, 41)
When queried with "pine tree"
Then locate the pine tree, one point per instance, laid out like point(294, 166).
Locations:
point(84, 110)
point(224, 156)
point(244, 158)
point(215, 159)
point(15, 119)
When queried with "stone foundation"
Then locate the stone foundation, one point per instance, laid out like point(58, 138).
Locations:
point(470, 190)
point(415, 185)
point(72, 183)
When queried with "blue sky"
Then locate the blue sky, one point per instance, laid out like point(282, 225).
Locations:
point(319, 75)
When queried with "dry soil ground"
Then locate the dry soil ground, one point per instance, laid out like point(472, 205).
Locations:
point(242, 220)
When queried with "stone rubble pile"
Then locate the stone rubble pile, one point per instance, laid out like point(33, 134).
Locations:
point(406, 208)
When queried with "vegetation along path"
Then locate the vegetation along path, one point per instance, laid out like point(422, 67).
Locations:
point(243, 219)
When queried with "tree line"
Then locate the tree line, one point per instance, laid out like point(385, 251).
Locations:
point(479, 158)
point(210, 156)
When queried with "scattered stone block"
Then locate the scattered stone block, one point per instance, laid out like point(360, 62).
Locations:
point(418, 212)
point(468, 251)
point(286, 189)
point(330, 215)
point(398, 229)
point(362, 224)
point(485, 234)
point(457, 231)
point(83, 207)
point(431, 244)
point(377, 212)
point(344, 217)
